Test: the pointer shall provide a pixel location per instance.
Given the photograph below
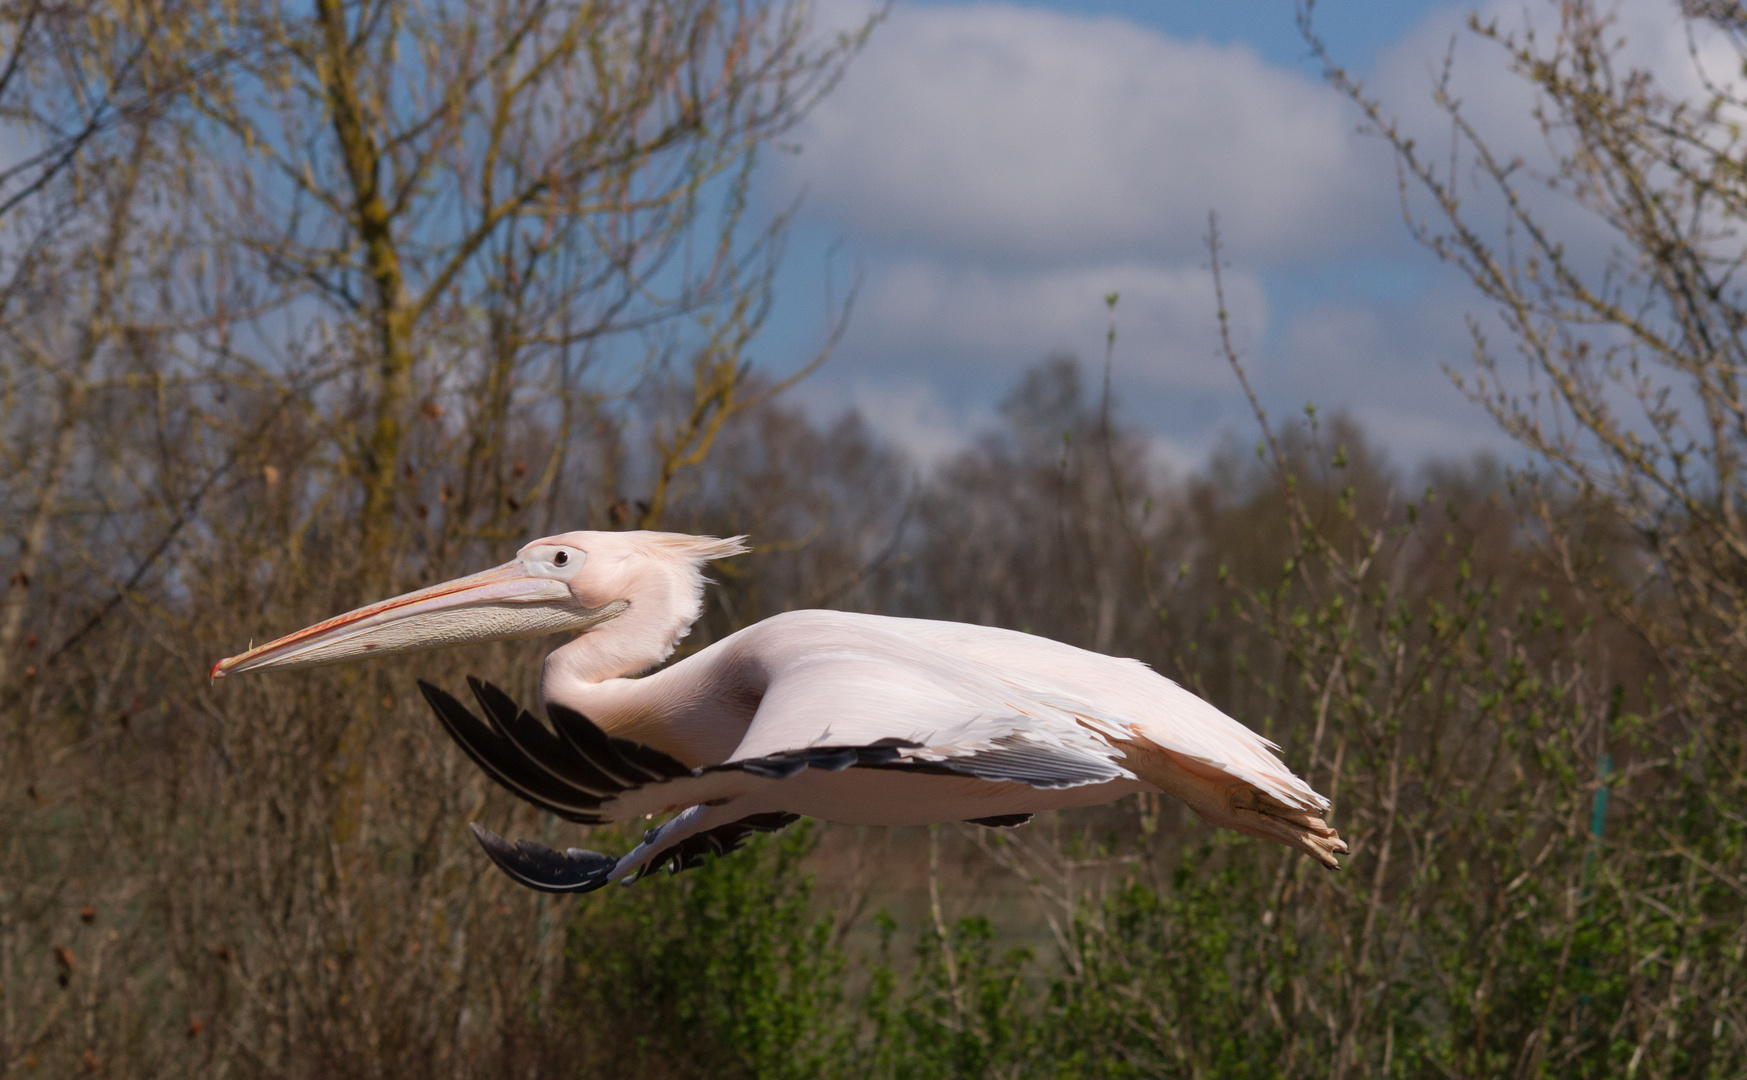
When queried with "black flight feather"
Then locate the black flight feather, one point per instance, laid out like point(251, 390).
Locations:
point(1001, 821)
point(573, 768)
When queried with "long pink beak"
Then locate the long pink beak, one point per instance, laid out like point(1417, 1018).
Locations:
point(496, 604)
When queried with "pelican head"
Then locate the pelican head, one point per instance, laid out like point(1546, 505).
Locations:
point(570, 583)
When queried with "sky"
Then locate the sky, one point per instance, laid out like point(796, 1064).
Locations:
point(989, 172)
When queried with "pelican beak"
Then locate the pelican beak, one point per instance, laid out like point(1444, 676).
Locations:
point(504, 602)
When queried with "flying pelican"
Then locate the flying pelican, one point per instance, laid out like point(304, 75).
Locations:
point(861, 719)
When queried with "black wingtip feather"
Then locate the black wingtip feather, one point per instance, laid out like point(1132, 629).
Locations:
point(570, 773)
point(508, 764)
point(594, 745)
point(539, 867)
point(550, 752)
point(572, 768)
point(576, 871)
point(781, 766)
point(658, 765)
point(1001, 821)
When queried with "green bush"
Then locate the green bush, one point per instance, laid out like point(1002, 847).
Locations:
point(725, 971)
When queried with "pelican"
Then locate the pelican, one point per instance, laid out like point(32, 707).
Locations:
point(861, 719)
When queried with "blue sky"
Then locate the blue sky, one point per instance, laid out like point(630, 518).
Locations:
point(992, 170)
point(1359, 29)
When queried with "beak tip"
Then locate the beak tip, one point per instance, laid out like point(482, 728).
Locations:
point(217, 672)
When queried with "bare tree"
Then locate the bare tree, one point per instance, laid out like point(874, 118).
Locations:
point(404, 165)
point(1633, 346)
point(278, 282)
point(1632, 415)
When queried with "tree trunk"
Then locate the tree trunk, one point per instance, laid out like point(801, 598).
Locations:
point(379, 452)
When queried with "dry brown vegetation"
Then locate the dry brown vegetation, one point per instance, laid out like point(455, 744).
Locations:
point(298, 307)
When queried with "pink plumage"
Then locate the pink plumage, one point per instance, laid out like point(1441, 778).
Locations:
point(855, 718)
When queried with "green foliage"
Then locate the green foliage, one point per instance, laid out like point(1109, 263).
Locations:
point(1168, 982)
point(965, 1010)
point(725, 971)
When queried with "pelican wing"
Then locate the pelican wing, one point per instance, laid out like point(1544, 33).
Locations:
point(961, 691)
point(575, 770)
point(932, 709)
point(1134, 703)
point(944, 726)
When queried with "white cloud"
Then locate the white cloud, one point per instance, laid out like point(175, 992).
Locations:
point(1013, 133)
point(1500, 104)
point(999, 170)
point(1686, 62)
point(996, 322)
point(1004, 169)
point(1650, 35)
point(912, 416)
point(933, 347)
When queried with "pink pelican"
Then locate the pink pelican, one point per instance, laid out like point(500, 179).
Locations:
point(862, 719)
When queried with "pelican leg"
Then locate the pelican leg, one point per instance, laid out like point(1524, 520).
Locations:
point(684, 841)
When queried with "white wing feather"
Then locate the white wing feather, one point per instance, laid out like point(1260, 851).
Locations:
point(842, 679)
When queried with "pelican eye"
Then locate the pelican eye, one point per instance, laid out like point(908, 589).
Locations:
point(553, 561)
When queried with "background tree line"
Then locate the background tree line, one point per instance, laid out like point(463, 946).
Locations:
point(301, 305)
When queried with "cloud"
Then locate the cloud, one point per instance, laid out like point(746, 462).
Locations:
point(933, 347)
point(992, 322)
point(1650, 35)
point(1384, 365)
point(1001, 170)
point(1012, 133)
point(911, 414)
point(997, 170)
point(1685, 61)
